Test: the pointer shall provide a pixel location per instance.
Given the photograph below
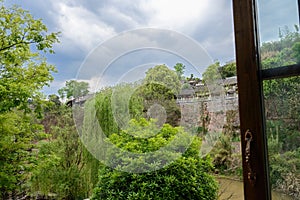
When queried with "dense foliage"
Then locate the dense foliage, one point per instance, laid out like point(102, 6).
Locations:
point(217, 71)
point(160, 87)
point(74, 89)
point(283, 113)
point(23, 72)
point(17, 131)
point(63, 163)
point(185, 178)
point(115, 106)
point(149, 172)
point(179, 69)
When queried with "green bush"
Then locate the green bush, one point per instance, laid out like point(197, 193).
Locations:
point(284, 172)
point(185, 178)
point(63, 167)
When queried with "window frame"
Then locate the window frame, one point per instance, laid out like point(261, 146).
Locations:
point(250, 78)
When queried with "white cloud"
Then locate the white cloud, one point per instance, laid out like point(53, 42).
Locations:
point(177, 14)
point(84, 29)
point(85, 24)
point(120, 17)
point(80, 27)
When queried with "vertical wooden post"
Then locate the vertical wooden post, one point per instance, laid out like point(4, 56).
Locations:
point(254, 145)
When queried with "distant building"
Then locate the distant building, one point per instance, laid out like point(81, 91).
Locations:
point(79, 101)
point(230, 85)
point(186, 93)
point(197, 89)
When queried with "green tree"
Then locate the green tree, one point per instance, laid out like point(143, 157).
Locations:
point(74, 89)
point(186, 178)
point(104, 112)
point(222, 153)
point(281, 95)
point(17, 132)
point(228, 70)
point(162, 75)
point(23, 69)
point(160, 87)
point(282, 112)
point(212, 73)
point(179, 68)
point(63, 163)
point(296, 51)
point(284, 51)
point(115, 106)
point(23, 72)
point(54, 99)
point(216, 71)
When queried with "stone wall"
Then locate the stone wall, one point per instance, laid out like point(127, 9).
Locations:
point(212, 113)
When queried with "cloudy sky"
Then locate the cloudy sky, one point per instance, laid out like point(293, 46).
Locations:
point(107, 41)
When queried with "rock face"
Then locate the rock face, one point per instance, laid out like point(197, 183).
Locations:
point(211, 114)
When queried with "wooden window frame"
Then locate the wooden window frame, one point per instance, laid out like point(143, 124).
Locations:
point(250, 77)
point(255, 168)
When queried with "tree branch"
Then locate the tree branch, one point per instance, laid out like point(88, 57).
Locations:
point(15, 44)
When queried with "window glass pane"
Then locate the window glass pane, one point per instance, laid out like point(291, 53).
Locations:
point(279, 32)
point(282, 109)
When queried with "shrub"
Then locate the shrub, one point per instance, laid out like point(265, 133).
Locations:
point(186, 178)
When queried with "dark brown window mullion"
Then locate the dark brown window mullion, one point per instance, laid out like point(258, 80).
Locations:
point(281, 72)
point(254, 147)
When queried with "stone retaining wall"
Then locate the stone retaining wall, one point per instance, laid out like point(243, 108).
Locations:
point(211, 113)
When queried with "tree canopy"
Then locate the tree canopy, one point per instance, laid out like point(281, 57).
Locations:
point(162, 75)
point(160, 88)
point(281, 98)
point(185, 178)
point(179, 68)
point(217, 71)
point(23, 68)
point(74, 89)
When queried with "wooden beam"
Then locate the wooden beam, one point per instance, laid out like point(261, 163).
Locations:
point(255, 162)
point(281, 72)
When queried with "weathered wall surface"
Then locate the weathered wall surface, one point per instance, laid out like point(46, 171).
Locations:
point(209, 113)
